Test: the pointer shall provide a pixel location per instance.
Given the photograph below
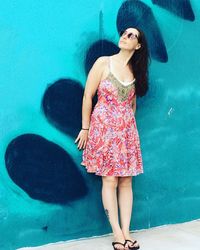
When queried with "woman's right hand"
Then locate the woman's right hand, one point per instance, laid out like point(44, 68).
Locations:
point(82, 137)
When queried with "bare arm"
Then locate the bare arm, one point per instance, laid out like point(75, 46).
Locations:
point(92, 83)
point(93, 80)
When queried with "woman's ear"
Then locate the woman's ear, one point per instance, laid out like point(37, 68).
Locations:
point(138, 46)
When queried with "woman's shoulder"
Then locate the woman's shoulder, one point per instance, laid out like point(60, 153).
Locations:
point(102, 59)
point(101, 62)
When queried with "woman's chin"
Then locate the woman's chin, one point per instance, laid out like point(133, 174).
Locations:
point(121, 46)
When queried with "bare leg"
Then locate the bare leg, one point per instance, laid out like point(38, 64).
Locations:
point(125, 198)
point(109, 198)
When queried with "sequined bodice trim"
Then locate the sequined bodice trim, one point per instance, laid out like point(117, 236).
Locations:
point(123, 90)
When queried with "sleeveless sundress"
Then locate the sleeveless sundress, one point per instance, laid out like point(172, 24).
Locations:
point(113, 144)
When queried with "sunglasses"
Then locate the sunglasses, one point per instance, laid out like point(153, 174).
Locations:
point(130, 35)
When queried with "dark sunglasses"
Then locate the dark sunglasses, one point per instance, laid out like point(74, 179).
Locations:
point(130, 35)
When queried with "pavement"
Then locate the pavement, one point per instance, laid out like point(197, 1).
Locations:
point(183, 236)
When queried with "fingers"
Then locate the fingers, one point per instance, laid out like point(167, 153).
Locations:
point(76, 139)
point(85, 143)
point(82, 142)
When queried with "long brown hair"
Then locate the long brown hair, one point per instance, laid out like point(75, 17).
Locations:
point(139, 64)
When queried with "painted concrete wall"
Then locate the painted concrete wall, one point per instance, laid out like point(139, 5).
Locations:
point(47, 49)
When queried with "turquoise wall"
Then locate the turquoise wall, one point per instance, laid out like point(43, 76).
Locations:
point(47, 48)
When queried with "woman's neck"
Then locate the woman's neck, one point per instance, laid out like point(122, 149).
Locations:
point(123, 57)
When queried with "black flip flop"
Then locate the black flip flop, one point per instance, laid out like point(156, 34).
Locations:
point(116, 242)
point(133, 242)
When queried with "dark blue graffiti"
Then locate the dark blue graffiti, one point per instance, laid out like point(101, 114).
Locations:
point(97, 49)
point(181, 8)
point(137, 14)
point(44, 170)
point(45, 228)
point(61, 105)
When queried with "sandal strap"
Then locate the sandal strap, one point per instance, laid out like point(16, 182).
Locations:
point(131, 241)
point(116, 242)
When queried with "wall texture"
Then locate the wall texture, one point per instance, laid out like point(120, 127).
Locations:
point(47, 49)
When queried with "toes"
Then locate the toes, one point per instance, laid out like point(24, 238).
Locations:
point(119, 248)
point(136, 244)
point(127, 247)
point(132, 245)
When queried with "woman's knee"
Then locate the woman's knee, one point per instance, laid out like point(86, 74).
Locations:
point(111, 181)
point(125, 181)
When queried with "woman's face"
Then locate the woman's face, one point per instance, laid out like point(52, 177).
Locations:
point(129, 39)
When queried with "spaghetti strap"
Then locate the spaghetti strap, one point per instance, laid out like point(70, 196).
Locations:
point(111, 71)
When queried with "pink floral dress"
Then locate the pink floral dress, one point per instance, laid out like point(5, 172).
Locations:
point(113, 145)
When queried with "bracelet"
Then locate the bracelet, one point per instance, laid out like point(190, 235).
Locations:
point(85, 128)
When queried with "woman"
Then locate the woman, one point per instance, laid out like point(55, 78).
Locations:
point(109, 136)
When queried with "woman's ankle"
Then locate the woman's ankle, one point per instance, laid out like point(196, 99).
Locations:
point(125, 232)
point(118, 233)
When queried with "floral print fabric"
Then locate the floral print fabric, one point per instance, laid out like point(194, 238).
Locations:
point(113, 145)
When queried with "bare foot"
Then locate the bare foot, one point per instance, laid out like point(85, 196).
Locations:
point(129, 244)
point(119, 238)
